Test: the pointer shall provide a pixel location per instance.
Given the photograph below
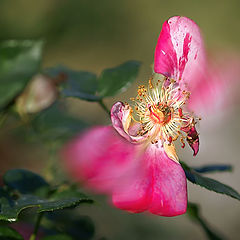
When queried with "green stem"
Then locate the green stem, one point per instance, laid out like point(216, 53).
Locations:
point(104, 107)
point(36, 227)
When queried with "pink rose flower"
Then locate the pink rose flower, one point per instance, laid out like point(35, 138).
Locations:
point(134, 160)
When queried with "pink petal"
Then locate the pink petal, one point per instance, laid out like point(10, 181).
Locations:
point(218, 89)
point(193, 140)
point(161, 189)
point(192, 136)
point(120, 115)
point(100, 157)
point(136, 196)
point(180, 51)
point(121, 121)
point(138, 180)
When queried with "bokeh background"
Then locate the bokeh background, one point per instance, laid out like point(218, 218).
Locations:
point(93, 35)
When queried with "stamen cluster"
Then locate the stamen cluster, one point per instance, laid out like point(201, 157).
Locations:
point(159, 110)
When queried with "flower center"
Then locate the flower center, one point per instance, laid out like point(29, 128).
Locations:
point(158, 109)
point(160, 114)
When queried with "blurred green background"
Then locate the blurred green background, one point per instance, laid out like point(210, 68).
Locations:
point(93, 35)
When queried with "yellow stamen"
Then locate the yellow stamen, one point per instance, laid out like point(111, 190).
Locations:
point(159, 108)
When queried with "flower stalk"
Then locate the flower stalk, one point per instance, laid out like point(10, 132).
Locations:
point(37, 225)
point(104, 107)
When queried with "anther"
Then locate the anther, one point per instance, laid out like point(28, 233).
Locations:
point(180, 113)
point(150, 83)
point(182, 141)
point(170, 140)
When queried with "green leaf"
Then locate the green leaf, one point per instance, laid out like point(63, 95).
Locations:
point(10, 209)
point(52, 205)
point(194, 213)
point(78, 227)
point(81, 227)
point(213, 168)
point(12, 202)
point(208, 183)
point(19, 61)
point(7, 233)
point(26, 182)
point(78, 84)
point(69, 192)
point(66, 198)
point(118, 79)
point(57, 237)
point(87, 86)
point(54, 124)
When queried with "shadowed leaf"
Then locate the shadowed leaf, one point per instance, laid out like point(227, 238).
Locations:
point(213, 168)
point(209, 183)
point(15, 197)
point(58, 237)
point(86, 85)
point(78, 227)
point(54, 124)
point(26, 182)
point(19, 61)
point(10, 209)
point(194, 213)
point(7, 233)
point(78, 84)
point(115, 80)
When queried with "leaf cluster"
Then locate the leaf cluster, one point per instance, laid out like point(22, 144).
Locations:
point(23, 189)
